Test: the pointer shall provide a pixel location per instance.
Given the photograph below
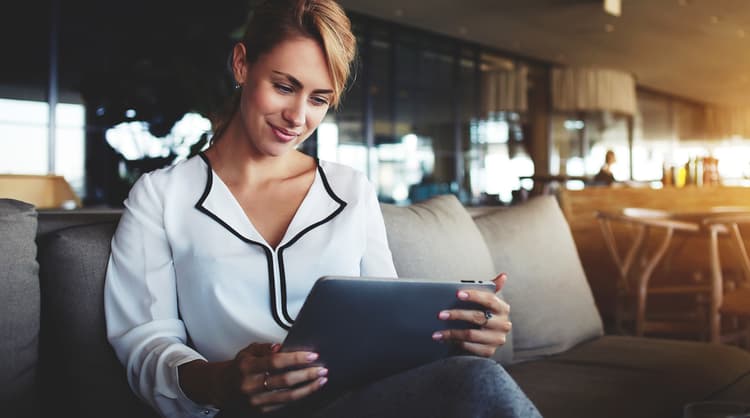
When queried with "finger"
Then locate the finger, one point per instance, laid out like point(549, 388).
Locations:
point(253, 364)
point(471, 316)
point(487, 299)
point(481, 336)
point(497, 322)
point(295, 377)
point(279, 361)
point(283, 396)
point(500, 281)
point(254, 383)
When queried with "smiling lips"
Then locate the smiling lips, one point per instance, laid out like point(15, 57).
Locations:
point(284, 135)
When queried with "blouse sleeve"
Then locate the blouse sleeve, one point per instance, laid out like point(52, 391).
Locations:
point(140, 304)
point(378, 260)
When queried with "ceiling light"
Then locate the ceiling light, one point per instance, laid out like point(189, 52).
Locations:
point(398, 12)
point(740, 33)
point(462, 30)
point(714, 19)
point(682, 2)
point(609, 28)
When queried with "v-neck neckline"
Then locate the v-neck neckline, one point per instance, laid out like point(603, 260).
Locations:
point(293, 222)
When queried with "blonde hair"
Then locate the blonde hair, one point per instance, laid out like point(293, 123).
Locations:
point(274, 21)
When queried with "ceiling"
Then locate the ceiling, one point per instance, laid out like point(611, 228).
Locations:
point(694, 49)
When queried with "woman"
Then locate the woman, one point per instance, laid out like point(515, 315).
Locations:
point(213, 257)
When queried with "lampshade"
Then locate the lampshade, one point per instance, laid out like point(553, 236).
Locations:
point(504, 90)
point(593, 89)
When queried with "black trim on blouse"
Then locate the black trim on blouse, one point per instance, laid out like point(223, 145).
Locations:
point(267, 251)
point(341, 207)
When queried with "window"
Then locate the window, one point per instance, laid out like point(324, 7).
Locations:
point(24, 139)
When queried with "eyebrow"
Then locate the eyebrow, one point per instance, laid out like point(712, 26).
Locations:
point(296, 83)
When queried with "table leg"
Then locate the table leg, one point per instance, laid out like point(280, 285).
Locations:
point(714, 320)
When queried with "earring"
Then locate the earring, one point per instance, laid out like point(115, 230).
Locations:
point(237, 86)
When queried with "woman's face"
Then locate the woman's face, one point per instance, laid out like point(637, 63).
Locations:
point(286, 93)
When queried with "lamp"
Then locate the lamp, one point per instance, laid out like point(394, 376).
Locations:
point(593, 89)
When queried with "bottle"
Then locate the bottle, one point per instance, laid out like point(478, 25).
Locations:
point(680, 174)
point(666, 179)
point(698, 175)
point(690, 172)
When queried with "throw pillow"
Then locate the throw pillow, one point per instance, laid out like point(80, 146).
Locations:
point(19, 306)
point(552, 307)
point(437, 239)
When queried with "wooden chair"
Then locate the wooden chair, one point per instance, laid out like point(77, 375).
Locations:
point(730, 307)
point(636, 265)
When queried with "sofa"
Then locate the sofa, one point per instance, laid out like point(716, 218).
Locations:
point(55, 359)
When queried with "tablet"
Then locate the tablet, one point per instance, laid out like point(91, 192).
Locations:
point(368, 328)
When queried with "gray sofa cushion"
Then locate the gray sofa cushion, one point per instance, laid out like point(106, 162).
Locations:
point(19, 307)
point(80, 370)
point(597, 378)
point(437, 239)
point(552, 307)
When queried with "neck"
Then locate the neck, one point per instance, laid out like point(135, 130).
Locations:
point(238, 161)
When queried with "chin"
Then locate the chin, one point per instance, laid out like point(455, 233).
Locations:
point(278, 149)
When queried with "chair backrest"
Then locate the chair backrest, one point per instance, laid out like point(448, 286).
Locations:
point(732, 219)
point(642, 221)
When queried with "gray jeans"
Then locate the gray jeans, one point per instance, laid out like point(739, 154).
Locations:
point(457, 387)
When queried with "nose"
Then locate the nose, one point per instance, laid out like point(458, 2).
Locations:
point(294, 113)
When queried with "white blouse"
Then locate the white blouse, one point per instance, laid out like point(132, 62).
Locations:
point(191, 278)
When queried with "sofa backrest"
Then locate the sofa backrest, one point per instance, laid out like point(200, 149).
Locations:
point(552, 306)
point(437, 239)
point(78, 367)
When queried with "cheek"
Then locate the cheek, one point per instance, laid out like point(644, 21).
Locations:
point(262, 102)
point(315, 116)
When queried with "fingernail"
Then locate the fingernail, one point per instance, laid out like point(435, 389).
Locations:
point(322, 372)
point(312, 356)
point(463, 295)
point(437, 336)
point(323, 381)
point(276, 347)
point(444, 315)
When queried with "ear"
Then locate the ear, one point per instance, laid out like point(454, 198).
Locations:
point(239, 63)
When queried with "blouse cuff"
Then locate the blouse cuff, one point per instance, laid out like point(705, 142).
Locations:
point(190, 407)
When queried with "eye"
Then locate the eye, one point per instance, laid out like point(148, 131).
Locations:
point(283, 88)
point(319, 100)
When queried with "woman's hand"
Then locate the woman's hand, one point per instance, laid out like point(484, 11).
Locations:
point(493, 321)
point(266, 381)
point(260, 375)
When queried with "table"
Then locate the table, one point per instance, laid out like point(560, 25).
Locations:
point(710, 223)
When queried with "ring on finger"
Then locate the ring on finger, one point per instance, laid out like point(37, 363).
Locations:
point(487, 317)
point(266, 375)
